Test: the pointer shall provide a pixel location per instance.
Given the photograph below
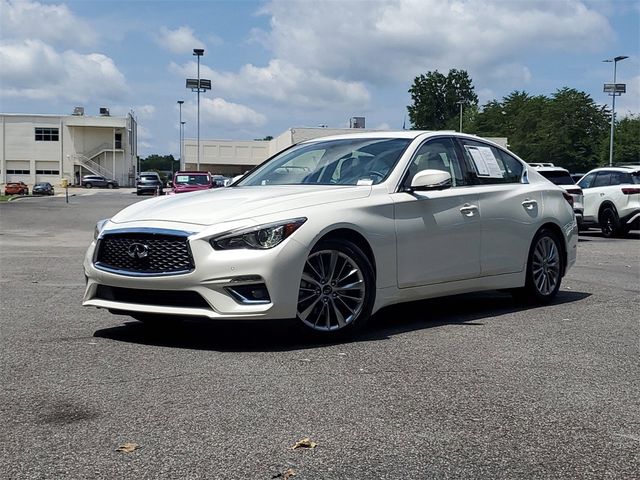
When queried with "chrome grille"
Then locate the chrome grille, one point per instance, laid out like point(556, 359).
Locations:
point(144, 253)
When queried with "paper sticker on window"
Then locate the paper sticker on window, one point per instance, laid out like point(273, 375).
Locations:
point(485, 162)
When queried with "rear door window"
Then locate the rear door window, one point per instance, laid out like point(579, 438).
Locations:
point(603, 179)
point(490, 164)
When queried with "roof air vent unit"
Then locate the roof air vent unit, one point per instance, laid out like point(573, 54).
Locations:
point(104, 111)
point(78, 111)
point(356, 122)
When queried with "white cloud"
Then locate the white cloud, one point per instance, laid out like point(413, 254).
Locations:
point(629, 103)
point(180, 40)
point(219, 112)
point(382, 42)
point(145, 111)
point(282, 82)
point(35, 70)
point(53, 24)
point(143, 133)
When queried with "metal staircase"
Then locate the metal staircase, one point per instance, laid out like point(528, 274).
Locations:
point(87, 161)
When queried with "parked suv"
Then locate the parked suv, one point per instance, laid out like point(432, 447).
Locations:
point(612, 199)
point(90, 181)
point(562, 178)
point(184, 182)
point(149, 182)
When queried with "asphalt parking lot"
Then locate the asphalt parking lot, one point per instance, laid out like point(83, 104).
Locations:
point(472, 386)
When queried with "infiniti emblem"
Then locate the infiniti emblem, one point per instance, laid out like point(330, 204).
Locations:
point(138, 251)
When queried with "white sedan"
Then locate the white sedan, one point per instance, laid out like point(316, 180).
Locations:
point(333, 229)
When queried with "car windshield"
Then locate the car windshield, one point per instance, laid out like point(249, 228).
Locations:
point(148, 177)
point(558, 177)
point(192, 180)
point(359, 161)
point(41, 184)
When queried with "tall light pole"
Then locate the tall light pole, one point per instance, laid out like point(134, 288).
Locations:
point(180, 102)
point(198, 85)
point(198, 52)
point(461, 102)
point(182, 162)
point(614, 92)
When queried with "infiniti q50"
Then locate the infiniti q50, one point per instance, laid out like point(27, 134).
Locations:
point(333, 229)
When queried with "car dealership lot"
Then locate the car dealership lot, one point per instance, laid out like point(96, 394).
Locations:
point(472, 386)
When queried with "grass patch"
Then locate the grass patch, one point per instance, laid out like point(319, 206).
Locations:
point(5, 198)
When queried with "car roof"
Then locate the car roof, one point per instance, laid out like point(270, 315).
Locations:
point(409, 134)
point(551, 169)
point(622, 168)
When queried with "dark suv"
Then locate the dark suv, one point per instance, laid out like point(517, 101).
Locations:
point(149, 182)
point(90, 181)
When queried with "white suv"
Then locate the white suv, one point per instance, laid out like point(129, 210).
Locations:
point(612, 199)
point(561, 177)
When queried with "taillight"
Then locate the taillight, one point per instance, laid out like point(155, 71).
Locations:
point(575, 191)
point(568, 198)
point(630, 191)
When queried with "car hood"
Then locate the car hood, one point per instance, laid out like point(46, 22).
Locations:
point(236, 203)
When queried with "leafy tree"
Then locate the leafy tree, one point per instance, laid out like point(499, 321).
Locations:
point(566, 129)
point(626, 141)
point(435, 99)
point(158, 163)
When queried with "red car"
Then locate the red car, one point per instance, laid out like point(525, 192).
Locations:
point(16, 188)
point(184, 182)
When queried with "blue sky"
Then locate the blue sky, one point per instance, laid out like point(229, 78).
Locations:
point(280, 64)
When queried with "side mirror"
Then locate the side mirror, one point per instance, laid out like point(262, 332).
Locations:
point(431, 180)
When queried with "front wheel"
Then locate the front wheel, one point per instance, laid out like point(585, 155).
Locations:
point(544, 269)
point(88, 185)
point(337, 289)
point(109, 186)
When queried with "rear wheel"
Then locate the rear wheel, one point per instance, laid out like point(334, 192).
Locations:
point(544, 269)
point(610, 223)
point(337, 289)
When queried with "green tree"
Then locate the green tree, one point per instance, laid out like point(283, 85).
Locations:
point(566, 129)
point(158, 163)
point(435, 99)
point(626, 142)
point(575, 128)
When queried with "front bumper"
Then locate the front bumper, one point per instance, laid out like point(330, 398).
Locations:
point(216, 276)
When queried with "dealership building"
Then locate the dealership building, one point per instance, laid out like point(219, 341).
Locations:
point(52, 148)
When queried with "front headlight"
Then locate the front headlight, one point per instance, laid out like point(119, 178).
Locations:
point(260, 237)
point(99, 226)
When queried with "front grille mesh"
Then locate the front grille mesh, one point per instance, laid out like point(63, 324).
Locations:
point(145, 253)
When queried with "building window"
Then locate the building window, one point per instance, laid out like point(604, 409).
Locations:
point(18, 172)
point(46, 134)
point(47, 172)
point(118, 141)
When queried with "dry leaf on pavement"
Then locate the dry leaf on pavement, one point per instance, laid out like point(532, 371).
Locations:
point(305, 443)
point(127, 447)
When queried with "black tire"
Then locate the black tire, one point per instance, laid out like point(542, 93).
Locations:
point(609, 223)
point(109, 185)
point(545, 265)
point(331, 302)
point(88, 185)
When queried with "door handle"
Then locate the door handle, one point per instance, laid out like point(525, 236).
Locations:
point(529, 204)
point(469, 210)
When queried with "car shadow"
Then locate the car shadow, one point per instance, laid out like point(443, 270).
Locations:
point(633, 235)
point(288, 335)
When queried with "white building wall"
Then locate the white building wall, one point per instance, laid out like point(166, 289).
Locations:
point(78, 137)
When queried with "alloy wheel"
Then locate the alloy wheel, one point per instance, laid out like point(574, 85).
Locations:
point(332, 291)
point(546, 266)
